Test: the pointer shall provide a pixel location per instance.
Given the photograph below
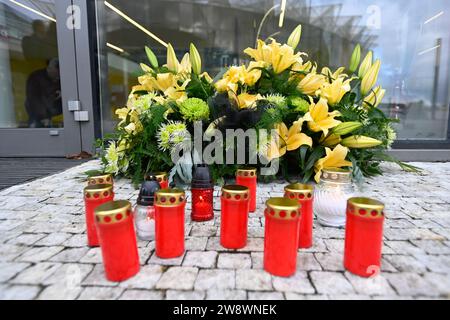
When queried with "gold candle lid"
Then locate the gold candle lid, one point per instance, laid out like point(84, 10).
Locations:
point(299, 191)
point(113, 212)
point(235, 192)
point(246, 172)
point(337, 175)
point(98, 191)
point(170, 197)
point(366, 208)
point(283, 209)
point(158, 176)
point(100, 179)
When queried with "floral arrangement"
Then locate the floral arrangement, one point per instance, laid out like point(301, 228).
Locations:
point(323, 118)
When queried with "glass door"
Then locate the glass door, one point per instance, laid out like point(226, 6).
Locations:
point(35, 87)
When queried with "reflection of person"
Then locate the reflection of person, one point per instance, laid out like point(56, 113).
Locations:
point(43, 95)
point(33, 46)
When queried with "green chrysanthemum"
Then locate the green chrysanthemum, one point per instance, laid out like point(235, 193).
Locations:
point(194, 109)
point(299, 104)
point(276, 100)
point(391, 135)
point(172, 134)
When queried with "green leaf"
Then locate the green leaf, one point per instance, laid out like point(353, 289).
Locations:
point(303, 152)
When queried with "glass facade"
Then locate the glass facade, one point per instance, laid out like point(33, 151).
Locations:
point(30, 89)
point(410, 37)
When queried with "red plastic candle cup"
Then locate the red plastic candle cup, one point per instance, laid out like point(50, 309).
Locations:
point(202, 194)
point(364, 236)
point(101, 179)
point(161, 177)
point(281, 236)
point(117, 237)
point(234, 220)
point(95, 195)
point(247, 177)
point(169, 228)
point(304, 194)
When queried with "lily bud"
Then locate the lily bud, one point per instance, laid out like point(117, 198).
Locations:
point(151, 57)
point(196, 61)
point(370, 79)
point(365, 65)
point(346, 128)
point(360, 142)
point(356, 58)
point(146, 68)
point(172, 61)
point(331, 140)
point(294, 38)
point(375, 97)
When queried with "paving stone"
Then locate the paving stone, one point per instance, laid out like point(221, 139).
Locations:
point(19, 292)
point(440, 283)
point(331, 283)
point(298, 283)
point(142, 295)
point(147, 278)
point(60, 292)
point(226, 295)
point(166, 262)
point(94, 255)
point(256, 280)
point(100, 293)
point(201, 259)
point(9, 252)
point(196, 243)
point(438, 264)
point(54, 239)
point(185, 295)
point(234, 261)
point(376, 286)
point(178, 278)
point(215, 279)
point(36, 274)
point(26, 239)
point(9, 270)
point(331, 261)
point(70, 255)
point(404, 247)
point(307, 262)
point(77, 240)
point(411, 284)
point(432, 247)
point(201, 230)
point(97, 278)
point(39, 254)
point(406, 263)
point(69, 275)
point(257, 260)
point(318, 246)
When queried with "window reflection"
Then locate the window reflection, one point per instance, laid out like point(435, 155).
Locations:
point(411, 39)
point(30, 80)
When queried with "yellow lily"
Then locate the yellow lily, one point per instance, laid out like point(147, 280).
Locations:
point(331, 140)
point(370, 79)
point(365, 65)
point(163, 81)
point(311, 83)
point(246, 100)
point(375, 97)
point(319, 119)
point(172, 61)
point(177, 93)
point(206, 76)
point(230, 79)
point(281, 57)
point(287, 140)
point(335, 91)
point(334, 159)
point(185, 66)
point(122, 114)
point(302, 67)
point(145, 84)
point(334, 75)
point(252, 74)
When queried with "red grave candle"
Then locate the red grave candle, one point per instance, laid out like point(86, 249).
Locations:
point(202, 189)
point(304, 194)
point(117, 237)
point(234, 220)
point(281, 236)
point(169, 228)
point(101, 179)
point(364, 236)
point(95, 195)
point(247, 177)
point(161, 177)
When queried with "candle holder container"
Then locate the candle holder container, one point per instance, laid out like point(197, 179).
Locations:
point(101, 179)
point(170, 205)
point(117, 237)
point(281, 236)
point(161, 177)
point(144, 212)
point(304, 194)
point(247, 177)
point(234, 220)
point(202, 189)
point(331, 196)
point(364, 236)
point(95, 195)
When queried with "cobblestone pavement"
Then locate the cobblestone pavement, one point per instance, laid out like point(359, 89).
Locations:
point(43, 252)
